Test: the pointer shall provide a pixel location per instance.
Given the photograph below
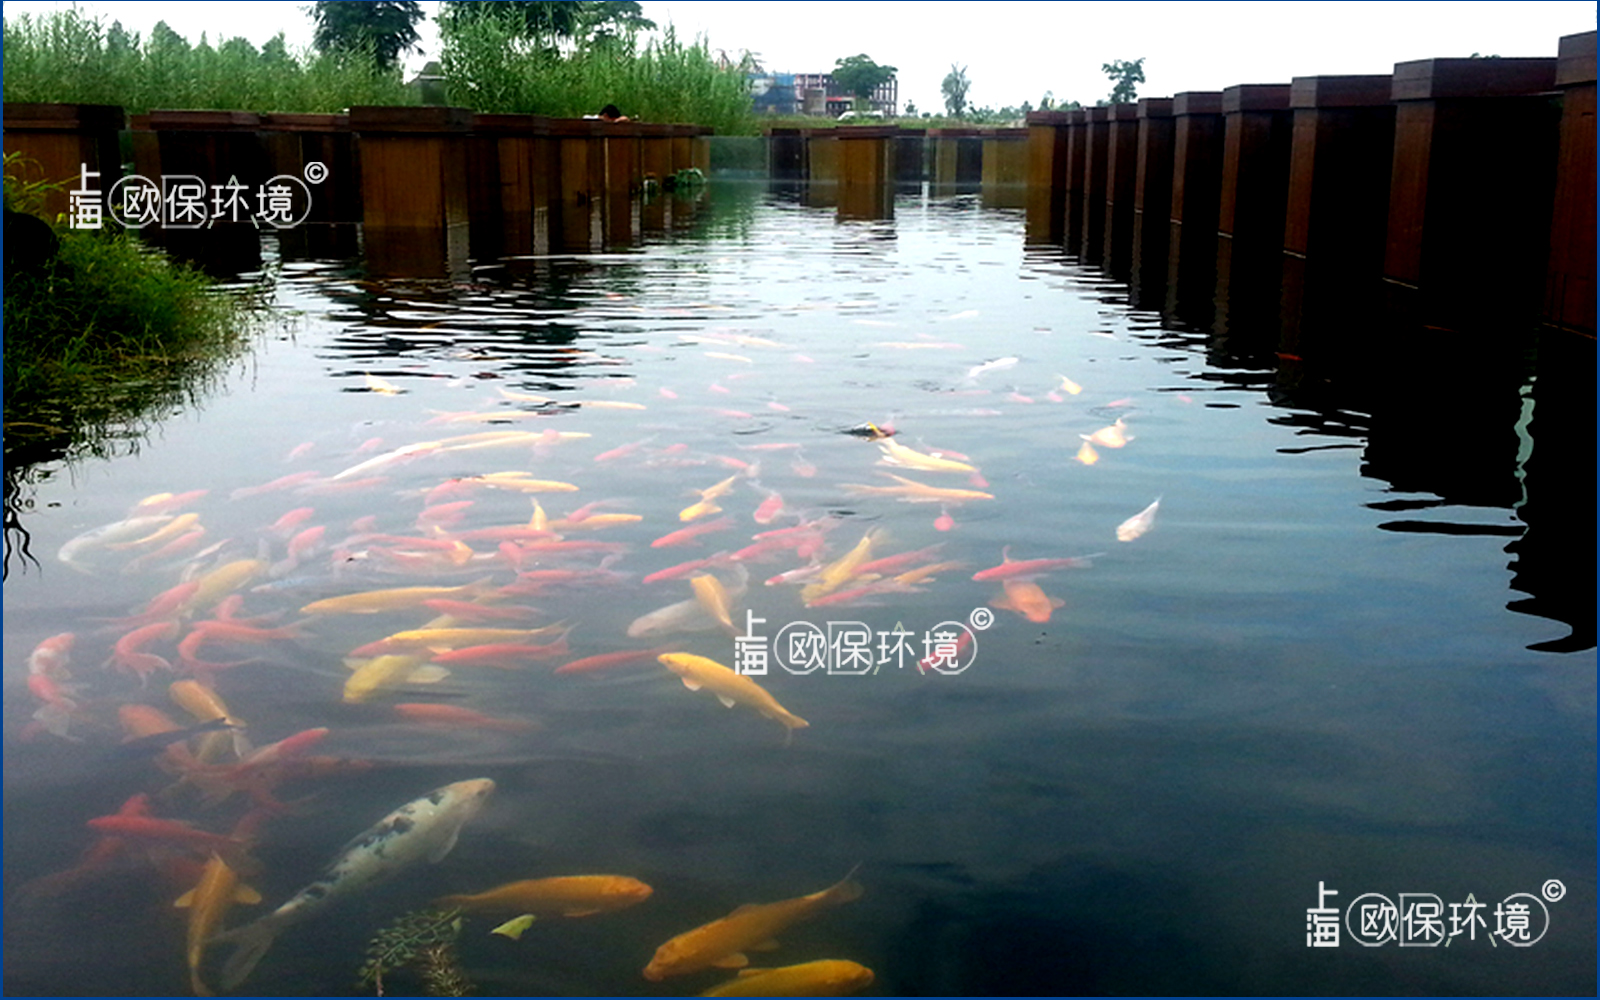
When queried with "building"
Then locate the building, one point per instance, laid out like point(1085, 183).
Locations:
point(815, 94)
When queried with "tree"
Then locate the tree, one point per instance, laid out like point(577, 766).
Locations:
point(860, 76)
point(385, 28)
point(955, 88)
point(553, 20)
point(1125, 78)
point(911, 109)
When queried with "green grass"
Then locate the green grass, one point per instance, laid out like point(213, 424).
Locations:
point(110, 336)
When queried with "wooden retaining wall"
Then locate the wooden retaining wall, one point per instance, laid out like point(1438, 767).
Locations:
point(1452, 195)
point(427, 186)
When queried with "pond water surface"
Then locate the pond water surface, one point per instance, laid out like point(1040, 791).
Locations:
point(1264, 694)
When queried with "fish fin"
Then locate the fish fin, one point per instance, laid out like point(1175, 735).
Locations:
point(726, 701)
point(438, 853)
point(768, 945)
point(185, 900)
point(691, 683)
point(428, 673)
point(1056, 602)
point(744, 908)
point(253, 940)
point(582, 913)
point(1002, 602)
point(735, 961)
point(750, 971)
point(241, 743)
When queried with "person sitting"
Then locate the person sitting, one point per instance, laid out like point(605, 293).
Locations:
point(612, 113)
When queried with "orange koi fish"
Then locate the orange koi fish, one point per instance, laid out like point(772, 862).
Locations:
point(1026, 599)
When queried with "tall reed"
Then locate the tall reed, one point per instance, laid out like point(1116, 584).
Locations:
point(71, 58)
point(490, 68)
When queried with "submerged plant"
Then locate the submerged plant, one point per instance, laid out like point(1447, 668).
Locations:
point(424, 940)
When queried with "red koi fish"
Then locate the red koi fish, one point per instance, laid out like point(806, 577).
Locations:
point(605, 661)
point(682, 570)
point(769, 509)
point(167, 604)
point(454, 715)
point(470, 611)
point(503, 654)
point(165, 831)
point(935, 663)
point(1016, 569)
point(281, 483)
point(128, 656)
point(685, 535)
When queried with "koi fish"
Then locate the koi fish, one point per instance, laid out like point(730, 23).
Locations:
point(914, 492)
point(730, 688)
point(424, 829)
point(96, 538)
point(708, 590)
point(828, 977)
point(938, 660)
point(208, 902)
point(172, 529)
point(281, 483)
point(128, 654)
point(374, 601)
point(722, 943)
point(707, 504)
point(166, 831)
point(605, 661)
point(1068, 386)
point(383, 386)
point(567, 896)
point(623, 450)
point(50, 657)
point(684, 535)
point(1026, 599)
point(224, 580)
point(503, 654)
point(1012, 569)
point(163, 503)
point(1086, 453)
point(998, 364)
point(1111, 436)
point(769, 508)
point(687, 568)
point(921, 573)
point(387, 671)
point(432, 714)
point(1139, 523)
point(206, 705)
point(895, 453)
point(837, 572)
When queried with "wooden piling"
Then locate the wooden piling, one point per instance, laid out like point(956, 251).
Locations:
point(1257, 127)
point(786, 154)
point(1569, 302)
point(911, 156)
point(866, 171)
point(957, 160)
point(509, 170)
point(292, 143)
point(822, 150)
point(1047, 175)
point(577, 226)
point(414, 210)
point(1196, 181)
point(58, 142)
point(1341, 155)
point(1152, 204)
point(1072, 195)
point(1470, 192)
point(1005, 168)
point(1122, 162)
point(624, 181)
point(1094, 185)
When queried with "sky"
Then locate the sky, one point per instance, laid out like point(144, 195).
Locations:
point(1014, 52)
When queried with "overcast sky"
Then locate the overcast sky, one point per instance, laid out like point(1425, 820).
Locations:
point(1015, 52)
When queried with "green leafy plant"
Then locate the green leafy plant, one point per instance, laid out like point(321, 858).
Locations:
point(424, 941)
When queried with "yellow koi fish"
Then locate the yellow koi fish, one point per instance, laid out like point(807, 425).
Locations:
point(373, 601)
point(381, 672)
point(1086, 453)
point(912, 491)
point(205, 705)
point(520, 481)
point(567, 896)
point(208, 902)
point(707, 504)
point(833, 575)
point(730, 688)
point(1068, 386)
point(722, 943)
point(828, 977)
point(895, 453)
point(224, 580)
point(708, 590)
point(376, 384)
point(172, 529)
point(1112, 436)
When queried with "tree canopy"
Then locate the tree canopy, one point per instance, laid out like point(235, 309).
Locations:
point(386, 28)
point(955, 88)
point(553, 20)
point(1125, 78)
point(860, 76)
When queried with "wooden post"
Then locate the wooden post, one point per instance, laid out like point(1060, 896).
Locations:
point(580, 153)
point(911, 156)
point(1094, 186)
point(1072, 197)
point(414, 188)
point(822, 155)
point(957, 160)
point(1341, 155)
point(1122, 162)
point(786, 154)
point(624, 180)
point(59, 141)
point(655, 160)
point(293, 142)
point(1152, 205)
point(218, 155)
point(1569, 302)
point(1196, 180)
point(1257, 125)
point(509, 194)
point(1005, 168)
point(1470, 193)
point(1047, 175)
point(865, 171)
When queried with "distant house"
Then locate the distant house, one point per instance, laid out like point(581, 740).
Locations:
point(815, 94)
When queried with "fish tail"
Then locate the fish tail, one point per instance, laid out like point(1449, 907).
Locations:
point(252, 941)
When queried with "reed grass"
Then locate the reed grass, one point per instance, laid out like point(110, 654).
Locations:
point(70, 57)
point(489, 68)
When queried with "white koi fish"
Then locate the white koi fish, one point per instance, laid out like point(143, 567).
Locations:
point(998, 364)
point(426, 828)
point(1138, 524)
point(73, 551)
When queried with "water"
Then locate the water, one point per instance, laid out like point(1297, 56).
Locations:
point(1285, 683)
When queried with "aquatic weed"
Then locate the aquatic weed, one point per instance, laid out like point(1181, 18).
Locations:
point(424, 940)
